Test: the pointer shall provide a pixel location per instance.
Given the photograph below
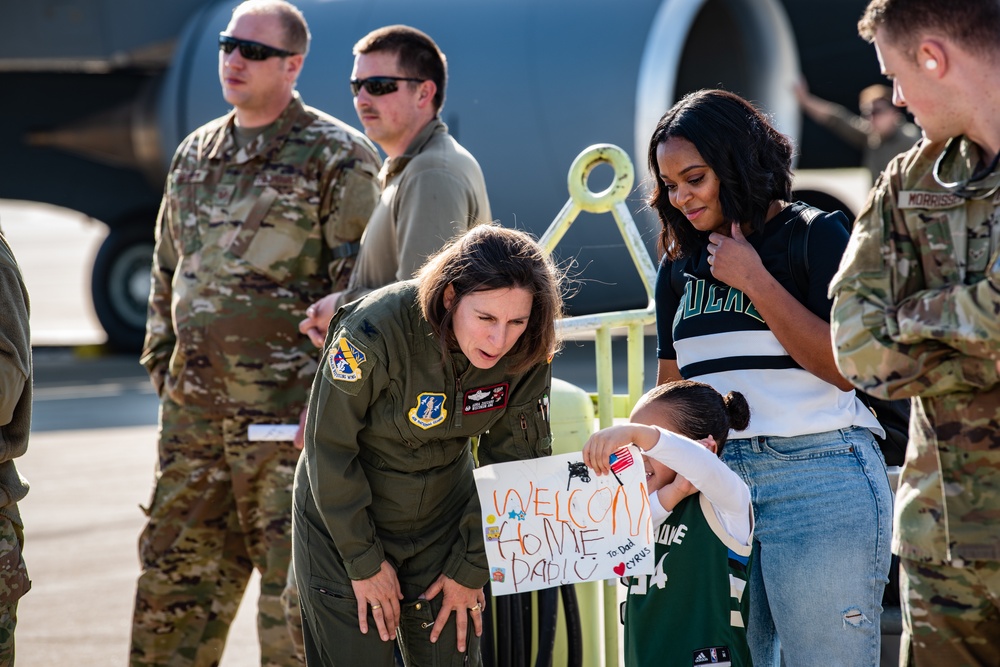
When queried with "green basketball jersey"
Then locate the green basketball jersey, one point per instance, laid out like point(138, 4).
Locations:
point(693, 609)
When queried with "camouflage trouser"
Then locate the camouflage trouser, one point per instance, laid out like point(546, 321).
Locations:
point(221, 507)
point(951, 615)
point(14, 583)
point(293, 612)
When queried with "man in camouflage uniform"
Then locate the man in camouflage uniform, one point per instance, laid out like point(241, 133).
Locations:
point(15, 422)
point(917, 314)
point(257, 221)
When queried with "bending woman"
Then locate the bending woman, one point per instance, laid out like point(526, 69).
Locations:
point(386, 529)
point(729, 314)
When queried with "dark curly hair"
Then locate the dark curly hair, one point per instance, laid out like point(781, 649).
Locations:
point(751, 159)
point(697, 410)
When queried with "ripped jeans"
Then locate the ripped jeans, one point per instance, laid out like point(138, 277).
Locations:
point(823, 512)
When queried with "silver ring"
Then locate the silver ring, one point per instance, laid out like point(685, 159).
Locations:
point(478, 607)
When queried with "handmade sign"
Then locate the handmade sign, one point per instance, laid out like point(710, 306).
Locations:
point(552, 521)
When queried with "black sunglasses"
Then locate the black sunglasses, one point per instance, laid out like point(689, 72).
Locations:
point(251, 50)
point(379, 85)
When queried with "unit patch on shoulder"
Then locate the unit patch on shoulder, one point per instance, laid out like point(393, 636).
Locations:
point(482, 399)
point(345, 361)
point(429, 411)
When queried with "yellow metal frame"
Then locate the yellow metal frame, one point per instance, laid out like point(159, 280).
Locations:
point(611, 199)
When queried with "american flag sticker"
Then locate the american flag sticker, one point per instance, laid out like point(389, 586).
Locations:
point(620, 460)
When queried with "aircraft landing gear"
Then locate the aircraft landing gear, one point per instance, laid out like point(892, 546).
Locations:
point(120, 282)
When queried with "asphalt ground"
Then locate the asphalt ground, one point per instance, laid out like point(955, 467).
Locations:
point(90, 460)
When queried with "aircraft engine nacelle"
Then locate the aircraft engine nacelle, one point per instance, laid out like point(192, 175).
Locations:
point(531, 84)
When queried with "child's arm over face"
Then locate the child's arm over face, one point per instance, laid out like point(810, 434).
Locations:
point(703, 469)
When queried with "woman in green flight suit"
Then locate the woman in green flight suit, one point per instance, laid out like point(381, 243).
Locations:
point(386, 524)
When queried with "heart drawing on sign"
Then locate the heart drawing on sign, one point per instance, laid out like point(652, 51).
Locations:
point(620, 569)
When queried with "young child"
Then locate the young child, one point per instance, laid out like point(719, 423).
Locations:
point(693, 609)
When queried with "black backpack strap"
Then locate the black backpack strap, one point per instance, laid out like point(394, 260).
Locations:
point(894, 416)
point(798, 249)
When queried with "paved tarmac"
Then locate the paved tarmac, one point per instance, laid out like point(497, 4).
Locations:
point(90, 460)
point(90, 464)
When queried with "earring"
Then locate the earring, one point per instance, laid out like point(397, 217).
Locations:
point(930, 64)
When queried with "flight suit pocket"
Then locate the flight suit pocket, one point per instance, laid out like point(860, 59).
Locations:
point(530, 429)
point(417, 621)
point(936, 251)
point(188, 197)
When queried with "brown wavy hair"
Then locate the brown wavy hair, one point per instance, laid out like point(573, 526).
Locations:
point(489, 257)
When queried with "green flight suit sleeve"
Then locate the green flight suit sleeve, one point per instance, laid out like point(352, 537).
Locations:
point(522, 432)
point(351, 379)
point(878, 273)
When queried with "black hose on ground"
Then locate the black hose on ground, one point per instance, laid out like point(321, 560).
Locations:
point(548, 613)
point(487, 645)
point(574, 633)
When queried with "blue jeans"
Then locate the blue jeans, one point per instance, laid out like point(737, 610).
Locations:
point(823, 512)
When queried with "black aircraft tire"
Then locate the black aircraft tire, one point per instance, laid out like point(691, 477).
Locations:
point(120, 285)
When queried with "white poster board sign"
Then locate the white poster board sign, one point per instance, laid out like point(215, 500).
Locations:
point(552, 521)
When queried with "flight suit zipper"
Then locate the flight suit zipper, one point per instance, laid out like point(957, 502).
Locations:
point(457, 414)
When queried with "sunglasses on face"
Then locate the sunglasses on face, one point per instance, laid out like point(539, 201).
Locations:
point(379, 85)
point(251, 50)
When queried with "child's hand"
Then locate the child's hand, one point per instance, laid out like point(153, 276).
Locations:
point(674, 492)
point(681, 487)
point(601, 445)
point(607, 441)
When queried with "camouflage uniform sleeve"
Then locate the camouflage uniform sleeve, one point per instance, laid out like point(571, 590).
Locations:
point(15, 342)
point(848, 126)
point(867, 290)
point(352, 195)
point(350, 379)
point(434, 205)
point(522, 432)
point(961, 316)
point(160, 336)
